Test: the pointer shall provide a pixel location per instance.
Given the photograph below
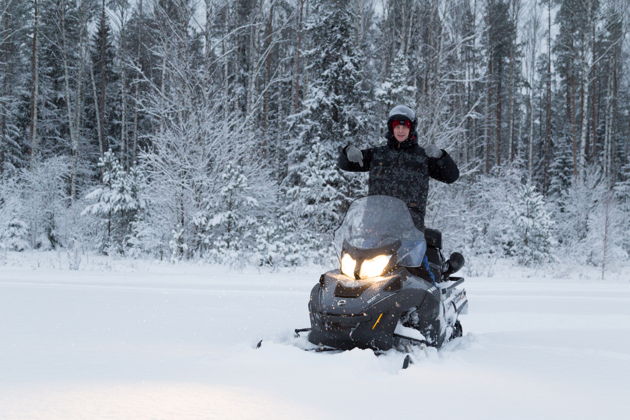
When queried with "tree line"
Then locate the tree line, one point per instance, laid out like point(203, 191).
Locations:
point(189, 128)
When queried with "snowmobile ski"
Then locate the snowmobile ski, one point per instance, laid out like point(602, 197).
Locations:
point(407, 362)
point(300, 330)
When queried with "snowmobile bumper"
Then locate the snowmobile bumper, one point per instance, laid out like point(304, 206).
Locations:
point(346, 332)
point(345, 315)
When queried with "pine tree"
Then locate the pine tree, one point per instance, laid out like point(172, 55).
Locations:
point(317, 191)
point(13, 84)
point(530, 234)
point(574, 58)
point(63, 86)
point(560, 171)
point(542, 149)
point(398, 88)
point(102, 82)
point(116, 202)
point(472, 57)
point(14, 237)
point(500, 45)
point(140, 70)
point(228, 225)
point(608, 143)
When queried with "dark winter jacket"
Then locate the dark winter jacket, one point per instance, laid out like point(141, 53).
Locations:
point(402, 170)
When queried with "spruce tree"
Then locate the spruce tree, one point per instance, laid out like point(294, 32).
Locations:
point(229, 226)
point(13, 84)
point(560, 171)
point(317, 191)
point(116, 202)
point(102, 91)
point(398, 88)
point(14, 236)
point(530, 234)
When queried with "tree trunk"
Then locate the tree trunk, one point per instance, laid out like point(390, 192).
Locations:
point(606, 158)
point(615, 165)
point(251, 57)
point(124, 144)
point(487, 128)
point(571, 122)
point(516, 6)
point(99, 128)
point(70, 114)
point(606, 236)
point(532, 41)
point(585, 98)
point(136, 96)
point(268, 70)
point(208, 32)
point(547, 142)
point(593, 146)
point(102, 96)
point(297, 62)
point(530, 148)
point(162, 116)
point(474, 154)
point(136, 119)
point(35, 83)
point(499, 115)
point(610, 117)
point(587, 64)
point(511, 126)
point(123, 121)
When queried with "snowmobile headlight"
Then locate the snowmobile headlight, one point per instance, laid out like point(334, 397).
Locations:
point(374, 267)
point(348, 265)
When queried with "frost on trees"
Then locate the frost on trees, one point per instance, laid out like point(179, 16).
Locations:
point(225, 230)
point(529, 236)
point(316, 191)
point(14, 237)
point(397, 89)
point(116, 202)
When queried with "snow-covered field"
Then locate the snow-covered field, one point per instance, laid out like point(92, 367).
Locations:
point(122, 339)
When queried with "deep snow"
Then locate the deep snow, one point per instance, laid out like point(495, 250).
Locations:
point(122, 339)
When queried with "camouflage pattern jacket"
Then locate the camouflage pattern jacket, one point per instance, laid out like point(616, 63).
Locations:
point(402, 170)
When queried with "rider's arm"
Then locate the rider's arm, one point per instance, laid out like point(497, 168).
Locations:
point(443, 169)
point(346, 165)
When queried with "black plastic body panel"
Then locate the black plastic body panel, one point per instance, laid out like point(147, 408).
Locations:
point(366, 314)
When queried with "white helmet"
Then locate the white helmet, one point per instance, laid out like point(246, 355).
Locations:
point(402, 112)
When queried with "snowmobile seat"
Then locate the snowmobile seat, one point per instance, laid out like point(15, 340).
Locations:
point(433, 238)
point(433, 255)
point(433, 262)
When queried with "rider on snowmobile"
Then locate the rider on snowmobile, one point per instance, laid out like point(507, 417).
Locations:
point(401, 168)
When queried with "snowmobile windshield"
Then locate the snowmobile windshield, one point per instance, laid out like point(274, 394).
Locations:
point(377, 221)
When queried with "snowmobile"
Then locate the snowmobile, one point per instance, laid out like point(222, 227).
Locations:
point(393, 289)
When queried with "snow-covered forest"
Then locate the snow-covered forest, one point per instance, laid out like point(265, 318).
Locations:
point(210, 129)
